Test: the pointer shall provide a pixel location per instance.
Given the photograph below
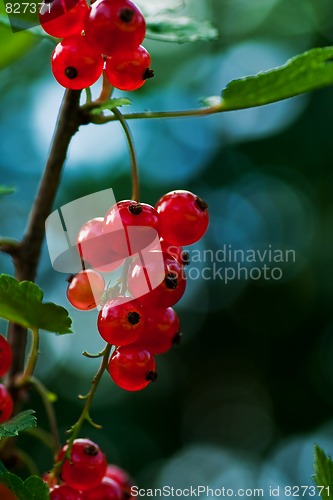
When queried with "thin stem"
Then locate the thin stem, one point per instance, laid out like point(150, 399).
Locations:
point(107, 90)
point(85, 414)
point(134, 165)
point(43, 392)
point(32, 361)
point(205, 111)
point(124, 275)
point(9, 245)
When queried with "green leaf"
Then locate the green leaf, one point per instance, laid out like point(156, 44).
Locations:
point(15, 485)
point(303, 73)
point(172, 28)
point(13, 45)
point(33, 488)
point(37, 488)
point(21, 302)
point(6, 190)
point(150, 8)
point(2, 468)
point(21, 422)
point(109, 105)
point(323, 473)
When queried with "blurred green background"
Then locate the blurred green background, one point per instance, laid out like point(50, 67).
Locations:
point(242, 401)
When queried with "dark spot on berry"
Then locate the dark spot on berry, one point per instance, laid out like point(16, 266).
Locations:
point(177, 338)
point(133, 317)
point(71, 72)
point(126, 14)
point(201, 203)
point(70, 278)
point(135, 209)
point(171, 281)
point(91, 450)
point(185, 258)
point(151, 376)
point(48, 1)
point(149, 73)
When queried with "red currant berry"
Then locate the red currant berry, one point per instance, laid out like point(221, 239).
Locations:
point(161, 331)
point(6, 494)
point(108, 489)
point(86, 467)
point(128, 69)
point(6, 356)
point(94, 246)
point(183, 217)
point(75, 64)
point(121, 477)
point(113, 25)
point(64, 492)
point(49, 479)
point(63, 18)
point(121, 321)
point(159, 281)
point(132, 369)
point(6, 404)
point(133, 226)
point(177, 252)
point(85, 289)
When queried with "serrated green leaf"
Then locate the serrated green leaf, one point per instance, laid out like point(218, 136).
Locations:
point(33, 488)
point(21, 302)
point(323, 473)
point(303, 73)
point(4, 190)
point(150, 8)
point(180, 29)
point(110, 104)
point(36, 488)
point(15, 485)
point(21, 422)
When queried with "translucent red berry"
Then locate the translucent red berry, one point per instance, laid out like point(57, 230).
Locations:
point(65, 492)
point(177, 252)
point(108, 489)
point(75, 64)
point(94, 246)
point(183, 217)
point(161, 331)
point(6, 356)
point(128, 69)
point(158, 281)
point(86, 466)
point(114, 24)
point(121, 477)
point(85, 289)
point(63, 18)
point(6, 404)
point(6, 494)
point(132, 226)
point(132, 369)
point(121, 321)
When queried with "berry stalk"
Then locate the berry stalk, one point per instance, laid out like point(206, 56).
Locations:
point(134, 165)
point(85, 414)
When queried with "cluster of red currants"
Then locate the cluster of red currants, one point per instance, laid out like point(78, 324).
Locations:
point(107, 35)
point(86, 475)
point(136, 314)
point(6, 402)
